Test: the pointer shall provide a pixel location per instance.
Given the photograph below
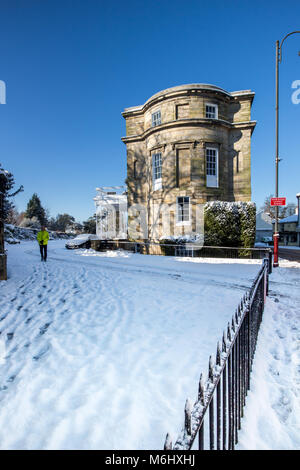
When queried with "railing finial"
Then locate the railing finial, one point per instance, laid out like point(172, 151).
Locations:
point(168, 442)
point(201, 390)
point(224, 347)
point(188, 417)
point(218, 355)
point(233, 325)
point(228, 333)
point(210, 369)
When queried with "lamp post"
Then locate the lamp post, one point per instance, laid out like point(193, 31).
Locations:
point(277, 159)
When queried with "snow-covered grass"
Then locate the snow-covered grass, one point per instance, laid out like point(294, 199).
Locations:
point(101, 350)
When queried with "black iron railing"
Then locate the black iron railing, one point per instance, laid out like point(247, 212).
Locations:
point(184, 249)
point(215, 417)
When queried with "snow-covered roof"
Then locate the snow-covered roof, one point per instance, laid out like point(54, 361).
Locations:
point(263, 221)
point(110, 195)
point(188, 87)
point(289, 219)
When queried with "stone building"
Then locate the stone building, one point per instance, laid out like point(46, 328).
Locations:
point(264, 228)
point(187, 145)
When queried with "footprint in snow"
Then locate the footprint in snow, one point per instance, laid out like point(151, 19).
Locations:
point(44, 328)
point(11, 378)
point(280, 334)
point(41, 353)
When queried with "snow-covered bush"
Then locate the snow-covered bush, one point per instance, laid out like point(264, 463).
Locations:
point(230, 224)
point(227, 224)
point(13, 234)
point(33, 222)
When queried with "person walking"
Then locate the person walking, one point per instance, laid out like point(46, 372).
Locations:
point(42, 238)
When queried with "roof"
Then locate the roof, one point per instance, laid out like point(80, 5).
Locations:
point(169, 92)
point(289, 219)
point(263, 221)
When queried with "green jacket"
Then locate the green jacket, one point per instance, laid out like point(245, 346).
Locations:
point(43, 237)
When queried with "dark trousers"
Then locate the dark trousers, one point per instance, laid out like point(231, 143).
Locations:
point(43, 250)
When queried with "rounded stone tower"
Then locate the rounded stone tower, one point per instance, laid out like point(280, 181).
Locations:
point(188, 145)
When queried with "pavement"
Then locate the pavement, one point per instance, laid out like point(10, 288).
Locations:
point(289, 254)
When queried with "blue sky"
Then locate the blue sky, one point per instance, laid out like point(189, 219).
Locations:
point(71, 67)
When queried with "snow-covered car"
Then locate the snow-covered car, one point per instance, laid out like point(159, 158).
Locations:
point(268, 240)
point(81, 241)
point(261, 245)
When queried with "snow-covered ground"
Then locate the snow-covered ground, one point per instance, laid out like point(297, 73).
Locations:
point(289, 247)
point(101, 350)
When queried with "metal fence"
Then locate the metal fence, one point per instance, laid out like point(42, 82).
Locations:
point(184, 249)
point(215, 418)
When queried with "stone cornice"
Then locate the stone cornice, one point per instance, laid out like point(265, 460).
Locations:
point(200, 122)
point(187, 90)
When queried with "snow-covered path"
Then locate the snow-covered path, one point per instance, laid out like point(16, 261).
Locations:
point(272, 414)
point(100, 351)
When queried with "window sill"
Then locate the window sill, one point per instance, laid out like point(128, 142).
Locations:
point(180, 224)
point(157, 185)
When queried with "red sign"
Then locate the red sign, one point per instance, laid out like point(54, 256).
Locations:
point(278, 201)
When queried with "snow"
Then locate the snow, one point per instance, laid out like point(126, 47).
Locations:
point(289, 219)
point(101, 350)
point(14, 234)
point(82, 237)
point(272, 414)
point(290, 247)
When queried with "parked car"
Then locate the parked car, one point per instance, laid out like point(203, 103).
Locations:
point(81, 241)
point(268, 240)
point(261, 245)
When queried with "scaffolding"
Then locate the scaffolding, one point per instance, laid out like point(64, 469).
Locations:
point(111, 213)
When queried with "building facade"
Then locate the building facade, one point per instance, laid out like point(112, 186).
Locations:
point(186, 146)
point(289, 228)
point(264, 227)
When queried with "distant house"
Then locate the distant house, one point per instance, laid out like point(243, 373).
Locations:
point(264, 227)
point(289, 228)
point(289, 231)
point(74, 228)
point(111, 213)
